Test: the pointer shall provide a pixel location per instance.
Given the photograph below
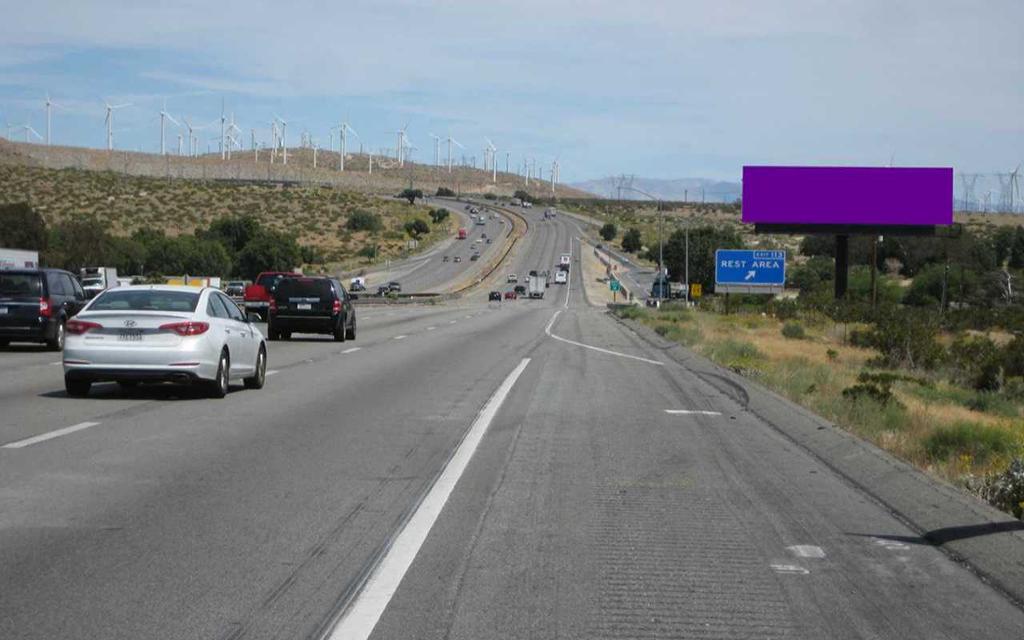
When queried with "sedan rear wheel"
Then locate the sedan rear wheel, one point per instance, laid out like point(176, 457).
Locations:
point(259, 377)
point(219, 386)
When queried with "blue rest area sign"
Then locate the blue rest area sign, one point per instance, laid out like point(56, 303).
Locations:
point(753, 269)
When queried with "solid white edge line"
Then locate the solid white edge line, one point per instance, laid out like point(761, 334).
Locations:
point(366, 609)
point(272, 372)
point(547, 330)
point(49, 435)
point(692, 412)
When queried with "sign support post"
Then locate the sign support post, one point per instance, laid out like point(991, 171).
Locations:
point(842, 265)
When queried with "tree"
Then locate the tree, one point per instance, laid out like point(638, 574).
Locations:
point(1016, 252)
point(416, 228)
point(704, 241)
point(445, 192)
point(234, 232)
point(362, 220)
point(22, 227)
point(608, 231)
point(631, 241)
point(439, 215)
point(76, 243)
point(523, 195)
point(270, 252)
point(411, 195)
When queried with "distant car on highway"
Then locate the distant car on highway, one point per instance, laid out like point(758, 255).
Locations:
point(561, 277)
point(383, 290)
point(488, 241)
point(444, 259)
point(35, 305)
point(235, 288)
point(519, 290)
point(162, 333)
point(494, 295)
point(458, 259)
point(311, 305)
point(395, 286)
point(510, 278)
point(474, 257)
point(511, 295)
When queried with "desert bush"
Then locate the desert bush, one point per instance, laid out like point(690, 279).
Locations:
point(608, 231)
point(631, 312)
point(979, 441)
point(1005, 490)
point(445, 192)
point(362, 220)
point(793, 331)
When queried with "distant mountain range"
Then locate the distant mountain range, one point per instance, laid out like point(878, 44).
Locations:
point(689, 189)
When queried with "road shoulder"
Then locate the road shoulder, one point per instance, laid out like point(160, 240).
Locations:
point(985, 539)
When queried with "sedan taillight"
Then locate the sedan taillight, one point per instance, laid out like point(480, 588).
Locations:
point(79, 327)
point(185, 329)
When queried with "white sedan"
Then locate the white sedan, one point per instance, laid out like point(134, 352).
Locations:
point(185, 335)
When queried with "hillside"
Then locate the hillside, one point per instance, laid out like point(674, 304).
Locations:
point(123, 204)
point(678, 190)
point(387, 178)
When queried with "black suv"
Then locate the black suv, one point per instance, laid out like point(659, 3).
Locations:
point(35, 304)
point(311, 305)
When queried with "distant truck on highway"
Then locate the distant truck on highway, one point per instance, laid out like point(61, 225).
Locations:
point(462, 234)
point(564, 261)
point(19, 259)
point(96, 280)
point(538, 283)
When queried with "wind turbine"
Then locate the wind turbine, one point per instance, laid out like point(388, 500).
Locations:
point(437, 149)
point(232, 139)
point(110, 122)
point(489, 152)
point(49, 105)
point(452, 141)
point(29, 131)
point(401, 145)
point(163, 115)
point(284, 138)
point(343, 130)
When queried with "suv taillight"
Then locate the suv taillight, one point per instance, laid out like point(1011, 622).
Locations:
point(272, 305)
point(79, 327)
point(185, 329)
point(336, 307)
point(45, 308)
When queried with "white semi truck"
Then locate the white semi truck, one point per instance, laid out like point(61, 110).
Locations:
point(96, 280)
point(18, 259)
point(538, 283)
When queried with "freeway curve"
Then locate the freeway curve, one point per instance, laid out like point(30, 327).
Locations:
point(466, 470)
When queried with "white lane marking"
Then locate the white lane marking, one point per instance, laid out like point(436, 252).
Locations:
point(352, 350)
point(568, 276)
point(468, 317)
point(789, 568)
point(402, 337)
point(272, 372)
point(547, 330)
point(452, 321)
point(431, 328)
point(806, 551)
point(361, 617)
point(58, 362)
point(890, 544)
point(50, 435)
point(692, 412)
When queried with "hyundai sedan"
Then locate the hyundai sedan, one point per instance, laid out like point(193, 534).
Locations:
point(184, 335)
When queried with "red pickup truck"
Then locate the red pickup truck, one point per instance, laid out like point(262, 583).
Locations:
point(257, 294)
point(462, 234)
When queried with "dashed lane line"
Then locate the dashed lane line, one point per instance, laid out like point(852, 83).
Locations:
point(351, 349)
point(692, 412)
point(401, 337)
point(43, 437)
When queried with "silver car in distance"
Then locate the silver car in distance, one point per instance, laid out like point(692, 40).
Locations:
point(185, 335)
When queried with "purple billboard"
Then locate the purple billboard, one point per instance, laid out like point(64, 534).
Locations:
point(848, 195)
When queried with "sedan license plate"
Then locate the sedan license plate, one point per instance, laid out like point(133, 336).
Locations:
point(129, 335)
point(304, 306)
point(3, 311)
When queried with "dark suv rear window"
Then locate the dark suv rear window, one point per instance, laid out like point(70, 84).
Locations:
point(21, 284)
point(304, 288)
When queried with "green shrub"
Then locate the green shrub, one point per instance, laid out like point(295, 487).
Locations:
point(662, 329)
point(881, 394)
point(490, 196)
point(975, 361)
point(980, 441)
point(1006, 490)
point(608, 232)
point(990, 402)
point(362, 220)
point(832, 354)
point(793, 331)
point(631, 312)
point(445, 192)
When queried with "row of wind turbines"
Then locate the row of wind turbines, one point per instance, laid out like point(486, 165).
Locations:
point(231, 136)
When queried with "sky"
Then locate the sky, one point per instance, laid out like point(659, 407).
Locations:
point(661, 89)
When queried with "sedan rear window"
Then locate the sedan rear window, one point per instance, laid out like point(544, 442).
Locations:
point(21, 284)
point(145, 300)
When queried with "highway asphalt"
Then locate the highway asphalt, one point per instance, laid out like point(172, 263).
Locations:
point(467, 470)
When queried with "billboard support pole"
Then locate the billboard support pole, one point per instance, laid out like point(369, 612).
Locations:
point(842, 265)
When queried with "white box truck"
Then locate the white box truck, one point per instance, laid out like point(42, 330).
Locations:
point(96, 280)
point(538, 284)
point(18, 259)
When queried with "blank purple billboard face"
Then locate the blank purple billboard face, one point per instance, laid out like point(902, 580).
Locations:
point(848, 195)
